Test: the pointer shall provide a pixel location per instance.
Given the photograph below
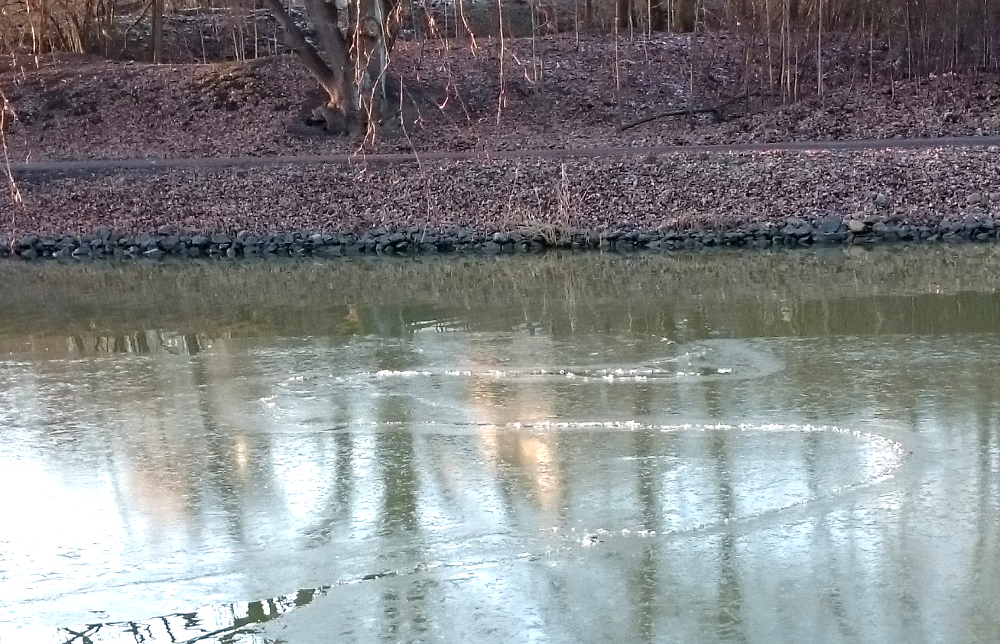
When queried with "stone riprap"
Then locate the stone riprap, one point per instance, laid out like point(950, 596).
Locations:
point(416, 240)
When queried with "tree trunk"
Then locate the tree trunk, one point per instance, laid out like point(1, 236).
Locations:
point(655, 15)
point(333, 112)
point(371, 44)
point(684, 15)
point(623, 9)
point(157, 45)
point(342, 106)
point(353, 72)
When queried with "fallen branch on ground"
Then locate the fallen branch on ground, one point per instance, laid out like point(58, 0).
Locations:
point(690, 111)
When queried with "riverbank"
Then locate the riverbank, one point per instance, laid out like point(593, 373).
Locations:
point(619, 196)
point(658, 202)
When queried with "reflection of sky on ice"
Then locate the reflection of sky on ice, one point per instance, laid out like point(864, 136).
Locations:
point(490, 481)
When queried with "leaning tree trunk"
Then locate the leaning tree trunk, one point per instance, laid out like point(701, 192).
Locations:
point(356, 57)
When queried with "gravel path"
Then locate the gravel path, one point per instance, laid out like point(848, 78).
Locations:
point(112, 165)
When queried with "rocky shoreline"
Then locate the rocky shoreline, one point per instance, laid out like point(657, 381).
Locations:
point(167, 242)
point(664, 202)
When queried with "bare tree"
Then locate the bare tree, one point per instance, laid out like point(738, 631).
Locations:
point(356, 57)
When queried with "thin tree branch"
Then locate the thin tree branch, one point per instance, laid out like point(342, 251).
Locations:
point(686, 111)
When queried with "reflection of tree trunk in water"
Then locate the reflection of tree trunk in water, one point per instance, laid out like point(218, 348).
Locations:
point(337, 507)
point(394, 451)
point(219, 470)
point(730, 602)
point(398, 514)
point(713, 399)
point(399, 501)
point(984, 570)
point(649, 501)
point(219, 462)
point(343, 487)
point(810, 448)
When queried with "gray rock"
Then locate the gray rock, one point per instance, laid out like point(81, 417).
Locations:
point(230, 252)
point(491, 248)
point(856, 226)
point(881, 200)
point(82, 251)
point(500, 238)
point(154, 253)
point(165, 230)
point(29, 253)
point(831, 225)
point(829, 238)
point(974, 198)
point(974, 220)
point(221, 238)
point(201, 241)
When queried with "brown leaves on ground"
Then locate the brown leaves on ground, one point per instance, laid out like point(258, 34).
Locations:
point(559, 94)
point(675, 191)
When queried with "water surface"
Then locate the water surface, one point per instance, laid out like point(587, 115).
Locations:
point(723, 447)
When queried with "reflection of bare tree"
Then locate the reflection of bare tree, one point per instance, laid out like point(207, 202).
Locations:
point(220, 623)
point(984, 618)
point(140, 342)
point(646, 583)
point(729, 604)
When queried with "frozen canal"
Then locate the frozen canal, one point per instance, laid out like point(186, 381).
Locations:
point(703, 448)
